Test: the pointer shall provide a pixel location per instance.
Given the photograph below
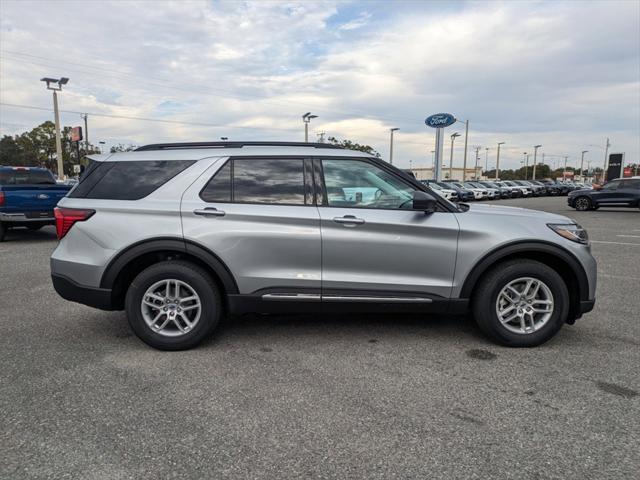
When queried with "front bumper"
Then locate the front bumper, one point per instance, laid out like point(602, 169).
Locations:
point(90, 296)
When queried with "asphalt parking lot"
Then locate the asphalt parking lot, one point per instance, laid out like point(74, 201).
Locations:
point(329, 397)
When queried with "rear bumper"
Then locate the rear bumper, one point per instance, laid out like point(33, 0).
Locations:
point(22, 218)
point(90, 296)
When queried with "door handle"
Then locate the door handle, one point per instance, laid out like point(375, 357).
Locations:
point(349, 220)
point(209, 212)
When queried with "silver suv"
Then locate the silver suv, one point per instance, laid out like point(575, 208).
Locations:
point(179, 235)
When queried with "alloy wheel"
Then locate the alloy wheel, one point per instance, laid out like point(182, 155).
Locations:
point(524, 305)
point(171, 308)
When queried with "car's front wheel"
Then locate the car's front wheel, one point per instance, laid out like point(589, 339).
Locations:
point(582, 204)
point(173, 305)
point(521, 303)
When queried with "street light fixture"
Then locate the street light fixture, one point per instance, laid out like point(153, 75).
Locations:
point(535, 159)
point(453, 137)
point(224, 139)
point(306, 118)
point(395, 129)
point(51, 85)
point(498, 161)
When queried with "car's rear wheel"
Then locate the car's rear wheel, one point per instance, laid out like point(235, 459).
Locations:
point(173, 305)
point(521, 303)
point(582, 204)
point(3, 230)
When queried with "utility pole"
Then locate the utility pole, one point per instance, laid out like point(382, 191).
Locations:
point(564, 175)
point(391, 144)
point(466, 140)
point(86, 133)
point(306, 118)
point(535, 159)
point(486, 160)
point(475, 173)
point(51, 85)
point(320, 136)
point(453, 137)
point(526, 165)
point(606, 161)
point(498, 161)
point(582, 164)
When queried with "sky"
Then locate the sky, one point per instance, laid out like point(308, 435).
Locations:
point(562, 74)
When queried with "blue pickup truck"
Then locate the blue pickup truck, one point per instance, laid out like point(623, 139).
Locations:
point(28, 196)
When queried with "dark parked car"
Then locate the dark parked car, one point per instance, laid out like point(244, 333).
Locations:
point(549, 185)
point(464, 195)
point(621, 192)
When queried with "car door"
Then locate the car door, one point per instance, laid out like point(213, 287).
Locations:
point(257, 215)
point(610, 193)
point(373, 243)
point(628, 191)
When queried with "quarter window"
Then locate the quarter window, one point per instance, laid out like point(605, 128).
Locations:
point(268, 181)
point(359, 184)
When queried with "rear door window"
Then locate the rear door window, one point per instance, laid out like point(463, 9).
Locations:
point(274, 181)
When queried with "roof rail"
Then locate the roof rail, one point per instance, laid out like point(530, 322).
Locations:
point(187, 145)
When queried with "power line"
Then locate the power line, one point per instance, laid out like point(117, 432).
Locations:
point(202, 89)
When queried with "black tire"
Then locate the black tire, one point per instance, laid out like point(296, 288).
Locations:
point(197, 279)
point(486, 295)
point(582, 203)
point(3, 230)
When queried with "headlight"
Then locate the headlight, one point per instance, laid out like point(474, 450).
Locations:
point(570, 231)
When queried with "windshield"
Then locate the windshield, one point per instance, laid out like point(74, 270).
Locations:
point(24, 176)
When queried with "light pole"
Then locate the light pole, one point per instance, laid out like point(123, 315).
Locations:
point(498, 161)
point(102, 145)
point(453, 137)
point(525, 160)
point(475, 172)
point(582, 165)
point(466, 141)
point(535, 159)
point(391, 144)
point(51, 85)
point(224, 139)
point(486, 160)
point(564, 175)
point(306, 118)
point(606, 161)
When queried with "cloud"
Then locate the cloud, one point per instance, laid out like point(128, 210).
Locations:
point(564, 74)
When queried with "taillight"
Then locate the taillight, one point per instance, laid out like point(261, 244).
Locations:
point(66, 217)
point(1, 199)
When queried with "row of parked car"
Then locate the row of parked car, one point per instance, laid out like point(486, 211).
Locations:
point(495, 190)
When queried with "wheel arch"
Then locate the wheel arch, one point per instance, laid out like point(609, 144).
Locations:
point(555, 257)
point(123, 268)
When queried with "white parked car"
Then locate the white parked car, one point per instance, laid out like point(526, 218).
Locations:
point(492, 193)
point(445, 192)
point(480, 193)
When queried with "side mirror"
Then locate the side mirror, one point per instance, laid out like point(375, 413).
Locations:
point(423, 201)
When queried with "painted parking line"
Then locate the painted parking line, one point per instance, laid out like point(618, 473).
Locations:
point(608, 275)
point(615, 243)
point(628, 236)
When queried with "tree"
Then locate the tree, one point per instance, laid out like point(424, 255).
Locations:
point(37, 148)
point(348, 144)
point(122, 148)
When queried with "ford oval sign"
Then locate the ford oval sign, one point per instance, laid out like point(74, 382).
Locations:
point(440, 120)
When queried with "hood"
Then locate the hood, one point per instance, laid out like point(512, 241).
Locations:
point(518, 212)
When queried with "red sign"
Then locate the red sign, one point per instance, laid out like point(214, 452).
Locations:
point(627, 172)
point(76, 134)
